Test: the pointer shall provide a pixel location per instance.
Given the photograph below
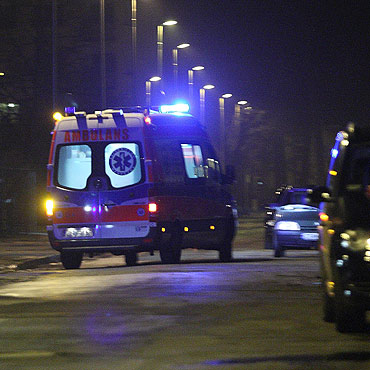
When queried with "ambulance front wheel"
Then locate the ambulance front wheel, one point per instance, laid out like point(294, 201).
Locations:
point(71, 260)
point(225, 249)
point(131, 258)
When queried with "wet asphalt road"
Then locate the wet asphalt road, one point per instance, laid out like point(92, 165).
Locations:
point(255, 313)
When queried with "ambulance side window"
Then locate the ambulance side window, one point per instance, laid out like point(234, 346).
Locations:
point(170, 163)
point(74, 166)
point(122, 164)
point(213, 165)
point(193, 159)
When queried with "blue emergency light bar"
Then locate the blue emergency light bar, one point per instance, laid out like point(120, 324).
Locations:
point(175, 108)
point(69, 111)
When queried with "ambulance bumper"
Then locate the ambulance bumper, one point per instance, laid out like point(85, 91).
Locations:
point(102, 245)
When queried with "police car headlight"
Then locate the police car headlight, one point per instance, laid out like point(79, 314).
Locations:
point(287, 226)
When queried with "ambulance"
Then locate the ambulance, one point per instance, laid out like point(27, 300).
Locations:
point(134, 180)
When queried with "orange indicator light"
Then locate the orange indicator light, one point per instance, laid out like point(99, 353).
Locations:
point(324, 217)
point(333, 173)
point(49, 207)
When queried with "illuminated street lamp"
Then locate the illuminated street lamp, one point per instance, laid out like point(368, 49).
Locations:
point(134, 45)
point(222, 123)
point(160, 45)
point(202, 96)
point(102, 56)
point(191, 80)
point(238, 106)
point(148, 87)
point(175, 63)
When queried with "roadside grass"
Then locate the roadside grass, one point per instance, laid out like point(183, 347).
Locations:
point(250, 234)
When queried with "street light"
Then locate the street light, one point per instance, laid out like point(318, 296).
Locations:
point(222, 123)
point(148, 87)
point(134, 45)
point(160, 45)
point(238, 106)
point(202, 96)
point(175, 63)
point(191, 80)
point(102, 55)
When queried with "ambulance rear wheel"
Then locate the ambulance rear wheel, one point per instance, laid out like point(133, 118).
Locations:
point(170, 251)
point(71, 260)
point(131, 258)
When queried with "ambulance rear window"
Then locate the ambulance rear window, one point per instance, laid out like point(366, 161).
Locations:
point(122, 164)
point(74, 166)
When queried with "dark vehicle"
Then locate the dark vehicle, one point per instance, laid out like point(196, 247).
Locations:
point(291, 223)
point(345, 231)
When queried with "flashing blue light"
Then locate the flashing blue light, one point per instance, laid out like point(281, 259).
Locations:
point(334, 153)
point(69, 110)
point(175, 108)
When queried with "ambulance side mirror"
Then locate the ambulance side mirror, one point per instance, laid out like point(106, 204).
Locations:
point(229, 176)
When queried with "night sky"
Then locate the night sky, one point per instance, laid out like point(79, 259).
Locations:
point(303, 60)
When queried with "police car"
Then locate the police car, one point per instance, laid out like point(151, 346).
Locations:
point(136, 180)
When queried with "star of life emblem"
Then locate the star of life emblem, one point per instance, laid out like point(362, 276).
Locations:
point(122, 161)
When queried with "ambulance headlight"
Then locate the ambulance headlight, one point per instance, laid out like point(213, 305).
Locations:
point(83, 232)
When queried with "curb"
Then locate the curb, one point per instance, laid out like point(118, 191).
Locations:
point(38, 261)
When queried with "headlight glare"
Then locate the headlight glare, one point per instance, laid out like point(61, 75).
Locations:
point(287, 226)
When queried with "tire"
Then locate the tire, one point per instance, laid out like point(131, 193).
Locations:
point(268, 241)
point(348, 318)
point(279, 250)
point(131, 258)
point(225, 252)
point(328, 308)
point(225, 249)
point(170, 251)
point(71, 260)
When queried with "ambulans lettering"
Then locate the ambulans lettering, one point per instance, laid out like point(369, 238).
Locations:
point(96, 135)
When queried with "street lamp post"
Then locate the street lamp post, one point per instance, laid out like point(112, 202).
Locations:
point(148, 88)
point(191, 81)
point(175, 64)
point(134, 46)
point(223, 125)
point(202, 98)
point(237, 110)
point(102, 55)
point(160, 45)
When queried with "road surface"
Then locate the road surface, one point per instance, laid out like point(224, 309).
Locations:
point(254, 313)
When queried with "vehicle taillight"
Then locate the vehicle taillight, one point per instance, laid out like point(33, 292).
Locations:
point(152, 207)
point(49, 207)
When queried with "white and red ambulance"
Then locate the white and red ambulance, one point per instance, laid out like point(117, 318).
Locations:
point(133, 180)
